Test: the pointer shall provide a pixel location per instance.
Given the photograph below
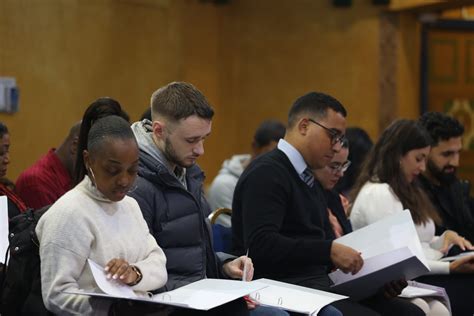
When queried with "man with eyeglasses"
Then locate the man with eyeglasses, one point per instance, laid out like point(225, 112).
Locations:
point(280, 213)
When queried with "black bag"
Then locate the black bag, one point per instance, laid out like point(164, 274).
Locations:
point(21, 281)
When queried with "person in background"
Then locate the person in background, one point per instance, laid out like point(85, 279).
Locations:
point(96, 220)
point(16, 205)
point(328, 177)
point(340, 224)
point(51, 176)
point(221, 191)
point(389, 183)
point(361, 144)
point(146, 115)
point(449, 195)
point(101, 107)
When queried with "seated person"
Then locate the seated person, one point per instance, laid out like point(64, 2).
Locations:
point(96, 220)
point(361, 144)
point(280, 214)
point(449, 195)
point(389, 183)
point(169, 192)
point(328, 177)
point(221, 191)
point(15, 203)
point(51, 176)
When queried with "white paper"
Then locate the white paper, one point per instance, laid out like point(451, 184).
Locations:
point(203, 294)
point(412, 292)
point(391, 250)
point(207, 293)
point(3, 227)
point(293, 298)
point(452, 258)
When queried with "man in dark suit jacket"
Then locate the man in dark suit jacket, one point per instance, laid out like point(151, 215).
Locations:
point(279, 210)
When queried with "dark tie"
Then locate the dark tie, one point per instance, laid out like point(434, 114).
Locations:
point(308, 177)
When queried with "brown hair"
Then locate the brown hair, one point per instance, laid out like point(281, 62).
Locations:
point(383, 166)
point(179, 100)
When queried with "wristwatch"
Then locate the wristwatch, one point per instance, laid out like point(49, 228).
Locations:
point(138, 273)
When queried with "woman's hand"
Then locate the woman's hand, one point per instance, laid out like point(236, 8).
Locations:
point(452, 238)
point(119, 269)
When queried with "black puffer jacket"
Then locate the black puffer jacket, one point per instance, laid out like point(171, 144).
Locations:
point(177, 218)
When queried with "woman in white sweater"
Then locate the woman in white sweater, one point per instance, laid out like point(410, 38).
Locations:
point(388, 183)
point(97, 221)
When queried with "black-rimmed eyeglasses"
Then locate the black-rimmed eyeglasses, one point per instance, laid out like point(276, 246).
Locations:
point(335, 136)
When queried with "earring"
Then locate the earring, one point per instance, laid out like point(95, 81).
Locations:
point(92, 175)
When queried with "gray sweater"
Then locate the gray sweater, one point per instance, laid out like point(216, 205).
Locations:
point(84, 224)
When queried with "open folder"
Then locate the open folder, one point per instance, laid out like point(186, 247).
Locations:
point(391, 251)
point(201, 295)
point(293, 298)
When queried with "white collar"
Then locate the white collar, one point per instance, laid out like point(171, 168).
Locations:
point(293, 155)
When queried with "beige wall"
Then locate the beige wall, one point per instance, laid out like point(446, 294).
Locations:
point(274, 51)
point(251, 58)
point(66, 53)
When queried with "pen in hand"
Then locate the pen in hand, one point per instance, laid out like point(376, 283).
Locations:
point(244, 273)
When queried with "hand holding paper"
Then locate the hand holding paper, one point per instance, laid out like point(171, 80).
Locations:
point(394, 288)
point(345, 258)
point(109, 286)
point(391, 250)
point(120, 270)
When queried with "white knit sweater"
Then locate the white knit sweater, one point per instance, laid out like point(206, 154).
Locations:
point(376, 201)
point(84, 224)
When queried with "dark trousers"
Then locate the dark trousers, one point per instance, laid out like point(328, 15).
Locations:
point(234, 308)
point(460, 289)
point(376, 305)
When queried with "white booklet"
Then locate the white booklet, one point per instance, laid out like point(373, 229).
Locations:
point(391, 250)
point(292, 297)
point(202, 295)
point(3, 227)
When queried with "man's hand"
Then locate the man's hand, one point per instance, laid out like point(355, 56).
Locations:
point(462, 265)
point(345, 258)
point(235, 268)
point(394, 288)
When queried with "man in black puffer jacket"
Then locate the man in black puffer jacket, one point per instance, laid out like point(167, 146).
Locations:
point(169, 189)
